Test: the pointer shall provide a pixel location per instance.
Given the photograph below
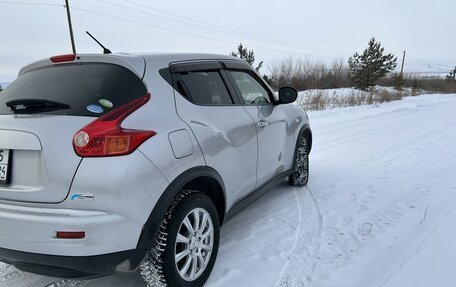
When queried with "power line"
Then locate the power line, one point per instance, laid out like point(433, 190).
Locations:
point(147, 25)
point(163, 28)
point(204, 25)
point(31, 4)
point(427, 64)
point(192, 34)
point(158, 27)
point(235, 31)
point(218, 29)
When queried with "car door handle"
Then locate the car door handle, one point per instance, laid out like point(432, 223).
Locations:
point(262, 124)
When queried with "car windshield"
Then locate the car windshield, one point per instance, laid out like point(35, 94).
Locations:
point(90, 89)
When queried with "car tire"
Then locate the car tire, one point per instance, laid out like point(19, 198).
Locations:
point(300, 175)
point(185, 249)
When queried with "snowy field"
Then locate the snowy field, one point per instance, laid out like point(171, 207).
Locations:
point(379, 210)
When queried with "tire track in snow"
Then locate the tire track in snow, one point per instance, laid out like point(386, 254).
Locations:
point(8, 273)
point(299, 269)
point(11, 276)
point(69, 283)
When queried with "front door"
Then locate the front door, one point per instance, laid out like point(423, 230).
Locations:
point(270, 121)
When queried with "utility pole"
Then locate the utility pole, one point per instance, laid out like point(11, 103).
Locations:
point(403, 60)
point(70, 26)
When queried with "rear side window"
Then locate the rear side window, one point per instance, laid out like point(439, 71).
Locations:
point(204, 88)
point(88, 89)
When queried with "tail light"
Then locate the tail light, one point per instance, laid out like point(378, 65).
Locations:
point(105, 136)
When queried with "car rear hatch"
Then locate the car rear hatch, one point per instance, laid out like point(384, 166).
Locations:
point(41, 111)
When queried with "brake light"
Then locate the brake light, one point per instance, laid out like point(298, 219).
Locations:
point(105, 136)
point(63, 58)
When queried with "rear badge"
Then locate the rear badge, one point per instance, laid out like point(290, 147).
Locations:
point(105, 103)
point(95, 109)
point(82, 196)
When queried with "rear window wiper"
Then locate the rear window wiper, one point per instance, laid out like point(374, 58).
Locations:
point(35, 106)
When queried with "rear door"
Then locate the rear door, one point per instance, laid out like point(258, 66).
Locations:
point(36, 134)
point(224, 130)
point(271, 121)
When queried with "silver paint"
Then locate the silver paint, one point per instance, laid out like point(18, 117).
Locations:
point(46, 171)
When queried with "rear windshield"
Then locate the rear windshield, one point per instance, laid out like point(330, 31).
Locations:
point(89, 89)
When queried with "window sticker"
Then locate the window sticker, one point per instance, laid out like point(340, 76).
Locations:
point(95, 109)
point(105, 103)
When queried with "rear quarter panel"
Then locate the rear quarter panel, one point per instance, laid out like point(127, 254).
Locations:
point(159, 115)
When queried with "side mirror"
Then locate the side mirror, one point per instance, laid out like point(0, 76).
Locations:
point(287, 95)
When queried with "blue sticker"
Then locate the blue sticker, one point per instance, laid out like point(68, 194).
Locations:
point(82, 196)
point(95, 109)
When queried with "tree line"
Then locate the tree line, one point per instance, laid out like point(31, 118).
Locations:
point(363, 71)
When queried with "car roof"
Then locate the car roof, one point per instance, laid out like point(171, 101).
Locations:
point(134, 62)
point(177, 57)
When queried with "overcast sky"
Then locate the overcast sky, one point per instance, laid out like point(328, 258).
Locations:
point(318, 30)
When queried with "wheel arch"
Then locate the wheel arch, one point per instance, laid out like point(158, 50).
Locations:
point(201, 178)
point(307, 132)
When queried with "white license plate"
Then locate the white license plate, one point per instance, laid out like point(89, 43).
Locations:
point(4, 165)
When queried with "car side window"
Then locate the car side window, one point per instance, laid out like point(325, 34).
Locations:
point(204, 88)
point(251, 90)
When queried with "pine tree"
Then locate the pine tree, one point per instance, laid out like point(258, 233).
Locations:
point(451, 75)
point(398, 81)
point(247, 55)
point(373, 64)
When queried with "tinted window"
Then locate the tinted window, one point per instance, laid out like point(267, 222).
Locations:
point(89, 89)
point(206, 88)
point(251, 90)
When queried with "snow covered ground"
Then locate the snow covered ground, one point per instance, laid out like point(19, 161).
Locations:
point(379, 210)
point(385, 182)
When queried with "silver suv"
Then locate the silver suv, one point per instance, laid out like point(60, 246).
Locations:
point(114, 163)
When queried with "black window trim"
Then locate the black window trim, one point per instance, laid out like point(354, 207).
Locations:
point(195, 66)
point(235, 64)
point(172, 76)
point(177, 69)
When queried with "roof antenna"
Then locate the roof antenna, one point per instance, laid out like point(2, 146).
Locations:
point(105, 50)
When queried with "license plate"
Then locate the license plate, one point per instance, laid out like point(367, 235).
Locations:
point(4, 166)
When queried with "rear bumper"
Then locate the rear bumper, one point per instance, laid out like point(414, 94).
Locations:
point(28, 241)
point(72, 266)
point(33, 230)
point(113, 220)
